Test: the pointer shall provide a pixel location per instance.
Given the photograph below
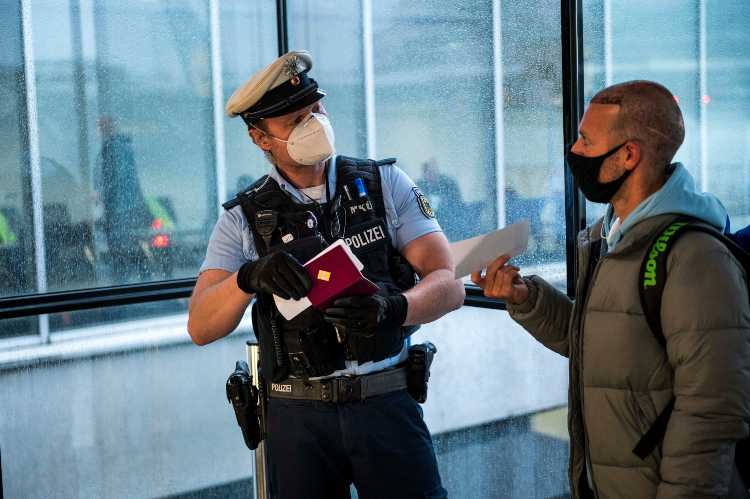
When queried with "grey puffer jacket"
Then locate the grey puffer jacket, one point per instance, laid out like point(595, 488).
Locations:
point(621, 378)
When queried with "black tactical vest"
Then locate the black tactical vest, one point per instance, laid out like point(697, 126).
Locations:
point(307, 346)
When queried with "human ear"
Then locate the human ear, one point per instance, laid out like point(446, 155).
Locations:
point(259, 138)
point(632, 154)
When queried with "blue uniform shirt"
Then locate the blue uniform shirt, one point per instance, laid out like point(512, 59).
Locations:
point(232, 244)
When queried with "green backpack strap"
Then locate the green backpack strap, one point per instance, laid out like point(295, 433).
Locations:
point(652, 279)
point(653, 274)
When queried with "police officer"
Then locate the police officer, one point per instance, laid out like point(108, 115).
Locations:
point(338, 410)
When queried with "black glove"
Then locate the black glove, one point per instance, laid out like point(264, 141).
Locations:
point(362, 315)
point(278, 273)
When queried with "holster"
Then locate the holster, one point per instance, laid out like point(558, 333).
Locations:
point(418, 374)
point(244, 399)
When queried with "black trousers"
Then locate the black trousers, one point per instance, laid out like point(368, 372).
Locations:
point(317, 449)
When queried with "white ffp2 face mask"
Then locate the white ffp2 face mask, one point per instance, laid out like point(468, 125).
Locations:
point(311, 141)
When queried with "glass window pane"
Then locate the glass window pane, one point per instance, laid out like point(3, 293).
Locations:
point(248, 42)
point(140, 412)
point(17, 274)
point(331, 30)
point(532, 131)
point(646, 41)
point(726, 106)
point(127, 142)
point(662, 42)
point(434, 84)
point(499, 422)
point(441, 118)
point(17, 271)
point(126, 138)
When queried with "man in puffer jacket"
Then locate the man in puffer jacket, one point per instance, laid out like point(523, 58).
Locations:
point(620, 376)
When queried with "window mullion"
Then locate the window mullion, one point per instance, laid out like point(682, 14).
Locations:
point(34, 161)
point(572, 84)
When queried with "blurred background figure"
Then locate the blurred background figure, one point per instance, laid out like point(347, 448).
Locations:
point(445, 197)
point(243, 182)
point(125, 215)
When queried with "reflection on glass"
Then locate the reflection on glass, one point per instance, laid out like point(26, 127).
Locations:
point(435, 85)
point(331, 30)
point(434, 95)
point(16, 229)
point(726, 106)
point(519, 457)
point(446, 200)
point(141, 413)
point(662, 42)
point(642, 40)
point(532, 132)
point(248, 42)
point(126, 139)
point(17, 274)
point(125, 216)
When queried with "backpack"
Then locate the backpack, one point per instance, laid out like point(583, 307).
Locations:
point(652, 279)
point(742, 237)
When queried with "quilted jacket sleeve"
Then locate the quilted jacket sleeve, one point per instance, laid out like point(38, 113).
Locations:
point(706, 323)
point(546, 314)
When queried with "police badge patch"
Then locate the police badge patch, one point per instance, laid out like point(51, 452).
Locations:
point(424, 204)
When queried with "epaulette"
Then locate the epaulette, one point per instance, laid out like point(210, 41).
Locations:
point(246, 193)
point(364, 162)
point(386, 162)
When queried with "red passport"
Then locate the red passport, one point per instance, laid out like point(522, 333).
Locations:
point(336, 273)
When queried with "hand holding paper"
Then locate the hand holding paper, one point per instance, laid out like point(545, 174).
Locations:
point(502, 281)
point(475, 254)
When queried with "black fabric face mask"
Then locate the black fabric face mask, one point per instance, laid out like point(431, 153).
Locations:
point(585, 170)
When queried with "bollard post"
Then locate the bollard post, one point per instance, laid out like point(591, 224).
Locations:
point(260, 462)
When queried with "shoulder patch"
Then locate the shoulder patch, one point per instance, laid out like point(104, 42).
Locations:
point(424, 204)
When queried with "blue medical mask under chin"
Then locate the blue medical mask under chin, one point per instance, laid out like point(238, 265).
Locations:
point(311, 141)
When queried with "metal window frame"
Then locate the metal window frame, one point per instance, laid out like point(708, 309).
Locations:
point(571, 15)
point(282, 27)
point(575, 207)
point(368, 59)
point(217, 83)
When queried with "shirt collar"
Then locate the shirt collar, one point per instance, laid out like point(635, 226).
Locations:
point(291, 189)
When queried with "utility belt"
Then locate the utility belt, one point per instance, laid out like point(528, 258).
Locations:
point(249, 402)
point(342, 389)
point(412, 375)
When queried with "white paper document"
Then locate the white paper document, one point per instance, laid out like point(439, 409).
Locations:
point(291, 308)
point(471, 255)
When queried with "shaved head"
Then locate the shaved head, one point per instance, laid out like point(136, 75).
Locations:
point(649, 113)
